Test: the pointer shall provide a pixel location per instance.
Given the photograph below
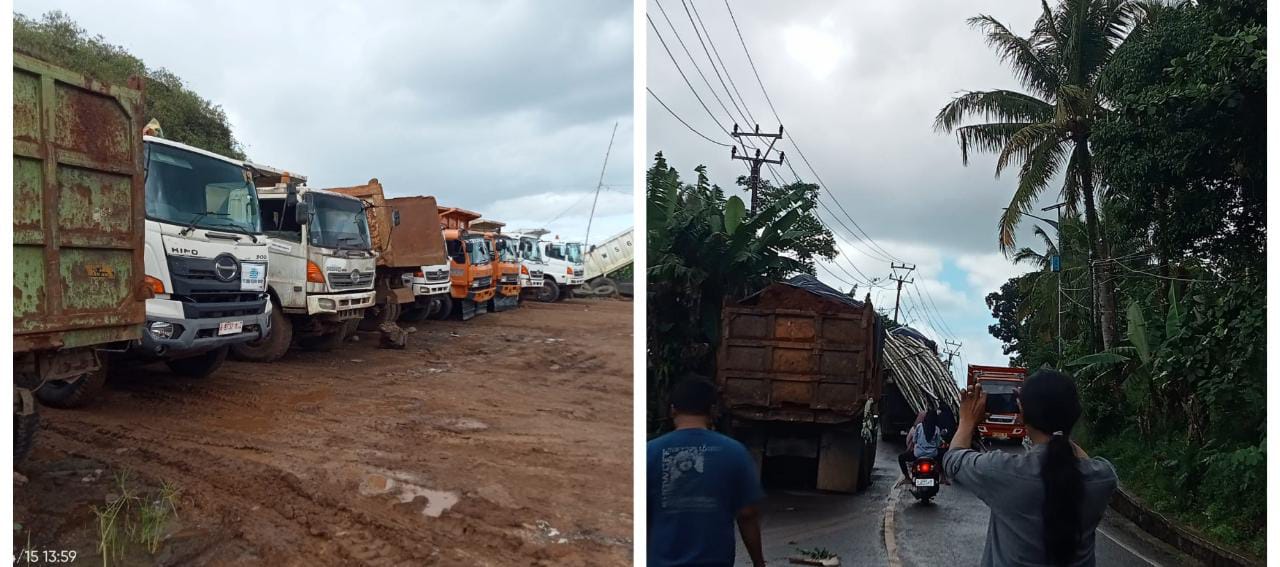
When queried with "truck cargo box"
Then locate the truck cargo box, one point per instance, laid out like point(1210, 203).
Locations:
point(409, 245)
point(78, 209)
point(797, 353)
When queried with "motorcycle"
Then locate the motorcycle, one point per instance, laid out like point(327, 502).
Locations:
point(924, 478)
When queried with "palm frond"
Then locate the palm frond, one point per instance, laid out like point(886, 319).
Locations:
point(996, 105)
point(1029, 66)
point(1023, 142)
point(988, 138)
point(1041, 165)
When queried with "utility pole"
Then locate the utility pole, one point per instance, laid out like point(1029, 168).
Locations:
point(586, 241)
point(758, 159)
point(901, 279)
point(1058, 268)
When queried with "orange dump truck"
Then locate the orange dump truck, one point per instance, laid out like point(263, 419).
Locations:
point(1003, 421)
point(406, 235)
point(470, 262)
point(506, 264)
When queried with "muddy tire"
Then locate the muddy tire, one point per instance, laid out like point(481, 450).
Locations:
point(414, 314)
point(550, 291)
point(66, 395)
point(604, 287)
point(376, 316)
point(444, 310)
point(199, 366)
point(331, 340)
point(272, 347)
point(24, 431)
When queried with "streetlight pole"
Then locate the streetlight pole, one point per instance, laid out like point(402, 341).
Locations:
point(1058, 207)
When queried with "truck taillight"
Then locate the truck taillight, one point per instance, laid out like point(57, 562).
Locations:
point(314, 275)
point(157, 286)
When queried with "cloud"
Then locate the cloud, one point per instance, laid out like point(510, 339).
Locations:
point(475, 103)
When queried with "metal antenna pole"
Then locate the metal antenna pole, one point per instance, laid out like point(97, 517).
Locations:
point(586, 241)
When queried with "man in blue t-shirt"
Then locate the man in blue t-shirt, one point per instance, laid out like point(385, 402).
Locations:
point(699, 483)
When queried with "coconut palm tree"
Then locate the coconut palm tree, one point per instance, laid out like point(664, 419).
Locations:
point(1045, 131)
point(1043, 260)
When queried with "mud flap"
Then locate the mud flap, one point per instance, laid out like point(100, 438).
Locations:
point(471, 308)
point(840, 461)
point(505, 302)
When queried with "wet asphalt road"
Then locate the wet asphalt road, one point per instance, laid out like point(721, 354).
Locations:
point(951, 531)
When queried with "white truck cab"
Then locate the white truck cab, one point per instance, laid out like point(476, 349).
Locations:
point(430, 292)
point(561, 263)
point(205, 255)
point(322, 266)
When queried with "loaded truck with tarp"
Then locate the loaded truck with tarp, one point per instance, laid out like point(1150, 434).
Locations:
point(915, 379)
point(320, 276)
point(470, 263)
point(78, 237)
point(799, 372)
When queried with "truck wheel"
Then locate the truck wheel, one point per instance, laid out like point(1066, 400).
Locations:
point(271, 347)
point(24, 427)
point(549, 292)
point(65, 394)
point(199, 366)
point(415, 314)
point(444, 310)
point(374, 317)
point(331, 340)
point(604, 287)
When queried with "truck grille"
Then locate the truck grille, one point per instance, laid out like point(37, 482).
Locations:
point(441, 275)
point(535, 274)
point(577, 272)
point(483, 282)
point(208, 305)
point(509, 279)
point(343, 280)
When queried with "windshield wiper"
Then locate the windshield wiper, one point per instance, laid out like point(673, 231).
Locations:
point(248, 230)
point(200, 216)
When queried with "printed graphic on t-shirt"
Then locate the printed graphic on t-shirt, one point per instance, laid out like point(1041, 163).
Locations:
point(681, 468)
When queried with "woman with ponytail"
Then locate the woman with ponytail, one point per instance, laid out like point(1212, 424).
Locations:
point(1046, 503)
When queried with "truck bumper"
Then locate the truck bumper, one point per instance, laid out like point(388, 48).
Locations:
point(194, 336)
point(341, 305)
point(1000, 431)
point(421, 289)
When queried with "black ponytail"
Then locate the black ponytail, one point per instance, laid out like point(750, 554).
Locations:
point(1051, 405)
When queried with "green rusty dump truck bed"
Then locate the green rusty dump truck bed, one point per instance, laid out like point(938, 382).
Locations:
point(77, 209)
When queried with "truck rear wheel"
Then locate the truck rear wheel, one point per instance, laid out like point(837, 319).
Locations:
point(549, 292)
point(199, 366)
point(72, 394)
point(444, 310)
point(271, 347)
point(26, 420)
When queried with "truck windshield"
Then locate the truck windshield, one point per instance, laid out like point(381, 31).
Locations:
point(338, 223)
point(506, 250)
point(185, 187)
point(571, 252)
point(529, 249)
point(1001, 396)
point(478, 249)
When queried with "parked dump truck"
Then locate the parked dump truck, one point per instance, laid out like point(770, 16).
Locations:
point(799, 371)
point(78, 237)
point(605, 270)
point(561, 263)
point(1004, 420)
point(470, 263)
point(320, 276)
point(506, 264)
point(532, 265)
point(430, 290)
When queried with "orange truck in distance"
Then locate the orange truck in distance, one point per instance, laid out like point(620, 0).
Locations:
point(506, 264)
point(1001, 383)
point(470, 262)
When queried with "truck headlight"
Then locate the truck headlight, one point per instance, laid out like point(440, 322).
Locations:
point(326, 303)
point(162, 329)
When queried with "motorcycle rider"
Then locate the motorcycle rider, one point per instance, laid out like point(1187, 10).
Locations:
point(922, 441)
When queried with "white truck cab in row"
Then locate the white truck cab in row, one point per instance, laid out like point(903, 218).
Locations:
point(322, 266)
point(561, 263)
point(430, 292)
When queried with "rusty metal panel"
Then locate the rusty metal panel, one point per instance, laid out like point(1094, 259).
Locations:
point(418, 241)
point(78, 209)
point(789, 361)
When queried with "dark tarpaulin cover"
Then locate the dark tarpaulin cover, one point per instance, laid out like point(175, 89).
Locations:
point(917, 335)
point(812, 285)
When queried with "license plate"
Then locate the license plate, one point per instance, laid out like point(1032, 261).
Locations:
point(253, 277)
point(1000, 435)
point(230, 327)
point(924, 482)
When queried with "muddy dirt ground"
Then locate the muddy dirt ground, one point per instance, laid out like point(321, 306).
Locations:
point(504, 440)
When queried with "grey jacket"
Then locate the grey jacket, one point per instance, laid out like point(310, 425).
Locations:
point(1010, 485)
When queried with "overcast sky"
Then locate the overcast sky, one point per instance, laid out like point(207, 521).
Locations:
point(505, 108)
point(858, 85)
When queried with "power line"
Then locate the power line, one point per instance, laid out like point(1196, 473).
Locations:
point(686, 124)
point(694, 61)
point(745, 116)
point(682, 75)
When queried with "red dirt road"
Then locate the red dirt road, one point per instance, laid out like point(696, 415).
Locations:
point(504, 440)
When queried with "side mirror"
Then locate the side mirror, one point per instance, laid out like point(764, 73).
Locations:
point(302, 213)
point(291, 194)
point(395, 217)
